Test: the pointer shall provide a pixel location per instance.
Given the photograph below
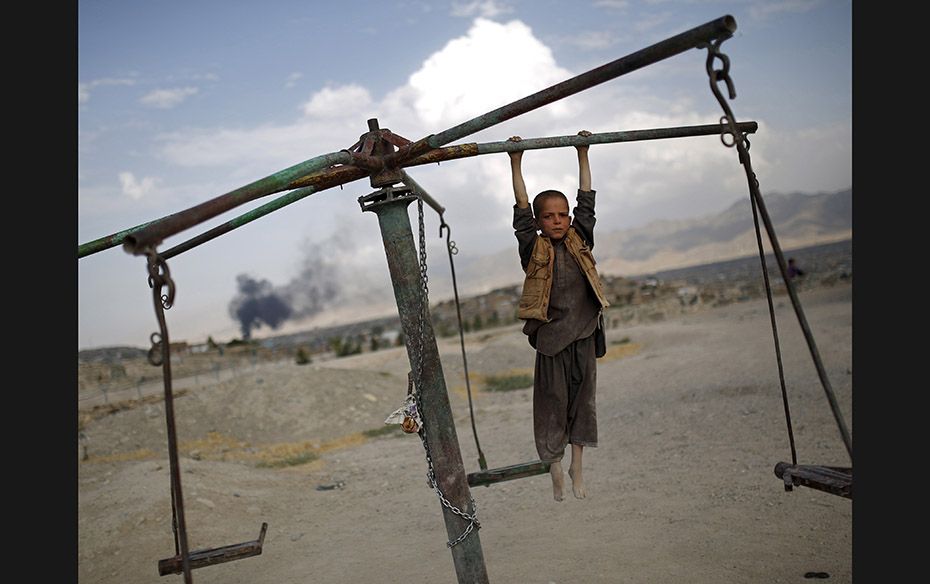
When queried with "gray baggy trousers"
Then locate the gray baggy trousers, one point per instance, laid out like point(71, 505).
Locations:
point(564, 399)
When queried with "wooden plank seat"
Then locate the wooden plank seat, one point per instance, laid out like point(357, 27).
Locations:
point(831, 479)
point(208, 557)
point(507, 473)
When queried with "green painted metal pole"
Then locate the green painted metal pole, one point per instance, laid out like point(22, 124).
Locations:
point(474, 149)
point(611, 137)
point(307, 167)
point(421, 192)
point(330, 177)
point(693, 38)
point(112, 240)
point(153, 234)
point(438, 422)
point(148, 235)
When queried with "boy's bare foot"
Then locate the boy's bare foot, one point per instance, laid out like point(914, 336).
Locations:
point(555, 471)
point(577, 483)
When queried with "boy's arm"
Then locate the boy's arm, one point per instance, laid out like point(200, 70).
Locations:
point(584, 220)
point(584, 167)
point(516, 174)
point(524, 227)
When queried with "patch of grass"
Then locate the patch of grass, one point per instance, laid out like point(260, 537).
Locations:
point(507, 382)
point(293, 460)
point(384, 430)
point(622, 341)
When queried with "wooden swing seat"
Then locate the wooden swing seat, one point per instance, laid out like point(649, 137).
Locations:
point(831, 479)
point(506, 473)
point(211, 556)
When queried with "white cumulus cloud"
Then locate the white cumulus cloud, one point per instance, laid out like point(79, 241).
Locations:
point(491, 66)
point(85, 88)
point(167, 98)
point(291, 80)
point(336, 101)
point(136, 188)
point(485, 8)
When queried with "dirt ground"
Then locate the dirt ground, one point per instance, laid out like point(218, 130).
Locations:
point(680, 488)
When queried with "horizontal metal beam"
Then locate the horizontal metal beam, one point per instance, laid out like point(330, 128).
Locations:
point(148, 235)
point(319, 182)
point(137, 241)
point(698, 36)
point(421, 192)
point(344, 174)
point(473, 149)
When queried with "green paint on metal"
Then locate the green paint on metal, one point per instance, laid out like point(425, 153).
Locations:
point(173, 224)
point(439, 424)
point(85, 249)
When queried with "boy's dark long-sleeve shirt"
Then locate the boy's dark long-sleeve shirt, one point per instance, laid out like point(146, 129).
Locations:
point(573, 306)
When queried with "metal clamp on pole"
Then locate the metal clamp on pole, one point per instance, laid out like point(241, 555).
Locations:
point(385, 195)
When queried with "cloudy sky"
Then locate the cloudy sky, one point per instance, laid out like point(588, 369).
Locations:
point(180, 102)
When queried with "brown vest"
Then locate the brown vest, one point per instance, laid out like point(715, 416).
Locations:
point(534, 303)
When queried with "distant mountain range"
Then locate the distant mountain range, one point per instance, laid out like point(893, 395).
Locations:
point(799, 219)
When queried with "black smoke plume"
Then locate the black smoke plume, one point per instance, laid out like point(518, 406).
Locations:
point(256, 304)
point(259, 303)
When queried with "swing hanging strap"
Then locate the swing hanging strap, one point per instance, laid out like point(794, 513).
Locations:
point(452, 249)
point(836, 480)
point(160, 355)
point(485, 477)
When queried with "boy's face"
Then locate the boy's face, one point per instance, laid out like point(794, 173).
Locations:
point(553, 218)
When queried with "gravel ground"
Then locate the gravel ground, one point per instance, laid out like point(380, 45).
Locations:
point(680, 488)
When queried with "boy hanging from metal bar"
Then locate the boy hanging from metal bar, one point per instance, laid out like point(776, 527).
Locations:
point(562, 305)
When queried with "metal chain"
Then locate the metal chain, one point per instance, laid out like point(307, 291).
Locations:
point(431, 474)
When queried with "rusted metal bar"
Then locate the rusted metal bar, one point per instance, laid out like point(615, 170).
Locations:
point(610, 137)
point(160, 354)
point(507, 473)
point(421, 192)
point(473, 149)
point(831, 479)
point(439, 424)
point(152, 235)
point(368, 162)
point(209, 557)
point(317, 182)
point(408, 151)
point(756, 197)
point(112, 240)
point(148, 235)
point(693, 38)
point(338, 175)
point(312, 183)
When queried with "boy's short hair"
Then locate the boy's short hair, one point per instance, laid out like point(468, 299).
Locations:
point(550, 194)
